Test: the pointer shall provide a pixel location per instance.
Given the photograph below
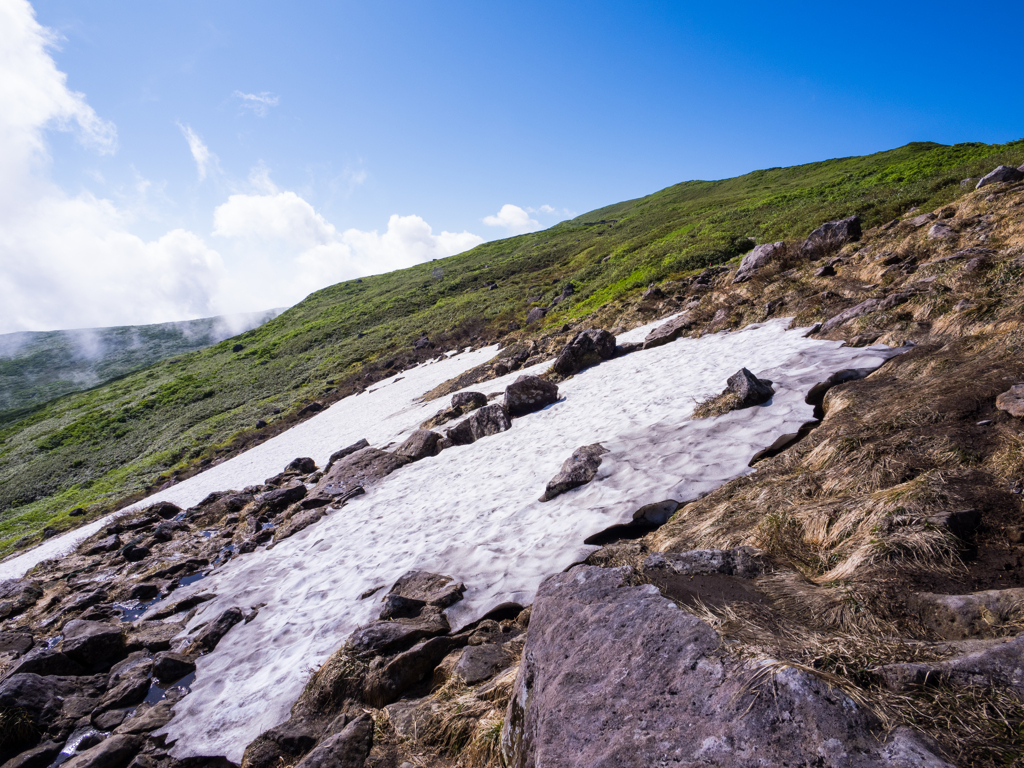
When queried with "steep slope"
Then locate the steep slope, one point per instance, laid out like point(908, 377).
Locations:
point(36, 367)
point(120, 441)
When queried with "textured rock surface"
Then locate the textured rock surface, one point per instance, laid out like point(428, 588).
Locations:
point(1012, 401)
point(669, 331)
point(364, 467)
point(869, 305)
point(618, 675)
point(586, 348)
point(958, 617)
point(348, 749)
point(489, 420)
point(528, 394)
point(579, 469)
point(831, 236)
point(1001, 174)
point(749, 389)
point(419, 445)
point(758, 259)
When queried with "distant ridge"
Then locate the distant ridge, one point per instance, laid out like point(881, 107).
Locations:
point(39, 366)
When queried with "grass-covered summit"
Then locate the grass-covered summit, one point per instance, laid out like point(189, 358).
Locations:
point(98, 448)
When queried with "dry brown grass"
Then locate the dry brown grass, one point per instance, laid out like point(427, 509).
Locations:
point(716, 406)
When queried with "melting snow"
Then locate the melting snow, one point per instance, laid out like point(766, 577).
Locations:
point(472, 512)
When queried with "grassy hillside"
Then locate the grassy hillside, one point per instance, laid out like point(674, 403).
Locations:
point(94, 449)
point(36, 367)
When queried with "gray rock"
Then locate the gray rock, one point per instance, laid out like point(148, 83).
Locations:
point(831, 236)
point(869, 305)
point(428, 588)
point(36, 694)
point(586, 348)
point(169, 666)
point(165, 509)
point(385, 636)
point(348, 749)
point(920, 221)
point(614, 675)
point(347, 451)
point(277, 500)
point(212, 634)
point(363, 468)
point(300, 521)
point(106, 544)
point(749, 389)
point(399, 607)
point(154, 636)
point(385, 685)
point(108, 721)
point(17, 595)
point(93, 644)
point(303, 465)
point(37, 757)
point(669, 331)
point(129, 687)
point(960, 617)
point(419, 445)
point(482, 662)
point(489, 420)
point(741, 562)
point(45, 661)
point(1012, 401)
point(893, 300)
point(579, 469)
point(148, 720)
point(1003, 173)
point(469, 401)
point(758, 259)
point(940, 231)
point(15, 643)
point(536, 315)
point(528, 394)
point(115, 752)
point(827, 271)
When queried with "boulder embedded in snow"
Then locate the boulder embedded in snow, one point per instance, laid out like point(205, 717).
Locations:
point(749, 389)
point(579, 469)
point(347, 451)
point(869, 305)
point(299, 521)
point(469, 401)
point(165, 509)
point(757, 259)
point(489, 420)
point(619, 675)
point(669, 331)
point(831, 236)
point(428, 588)
point(215, 631)
point(586, 348)
point(1012, 401)
point(1001, 174)
point(385, 636)
point(303, 465)
point(348, 749)
point(529, 393)
point(364, 468)
point(419, 445)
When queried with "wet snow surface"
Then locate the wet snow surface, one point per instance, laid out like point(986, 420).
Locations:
point(472, 512)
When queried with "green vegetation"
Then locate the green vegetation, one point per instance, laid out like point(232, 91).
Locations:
point(36, 367)
point(94, 449)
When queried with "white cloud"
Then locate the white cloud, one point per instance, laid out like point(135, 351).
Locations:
point(205, 159)
point(71, 261)
point(259, 103)
point(547, 210)
point(513, 219)
point(286, 228)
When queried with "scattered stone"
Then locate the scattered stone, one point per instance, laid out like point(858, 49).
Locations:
point(528, 394)
point(482, 662)
point(106, 544)
point(869, 305)
point(348, 749)
point(18, 595)
point(757, 259)
point(93, 644)
point(420, 444)
point(260, 423)
point(422, 343)
point(347, 451)
point(601, 654)
point(469, 401)
point(363, 468)
point(586, 348)
point(310, 409)
point(214, 631)
point(169, 666)
point(827, 271)
point(303, 465)
point(115, 752)
point(536, 315)
point(669, 331)
point(1012, 401)
point(939, 231)
point(77, 512)
point(489, 420)
point(1003, 173)
point(920, 221)
point(749, 389)
point(579, 469)
point(653, 293)
point(831, 236)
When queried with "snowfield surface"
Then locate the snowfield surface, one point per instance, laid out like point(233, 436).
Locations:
point(473, 511)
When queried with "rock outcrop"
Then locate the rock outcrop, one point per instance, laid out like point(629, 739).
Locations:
point(831, 236)
point(760, 257)
point(586, 348)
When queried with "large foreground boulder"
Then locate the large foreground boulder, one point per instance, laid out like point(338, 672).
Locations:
point(1003, 173)
point(758, 259)
point(831, 236)
point(614, 675)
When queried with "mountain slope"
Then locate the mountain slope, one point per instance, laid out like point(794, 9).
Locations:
point(36, 367)
point(95, 449)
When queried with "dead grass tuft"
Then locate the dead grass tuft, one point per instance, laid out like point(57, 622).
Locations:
point(716, 406)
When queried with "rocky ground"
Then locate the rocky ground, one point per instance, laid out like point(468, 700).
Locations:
point(856, 601)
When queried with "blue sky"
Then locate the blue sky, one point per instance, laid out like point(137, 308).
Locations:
point(218, 157)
